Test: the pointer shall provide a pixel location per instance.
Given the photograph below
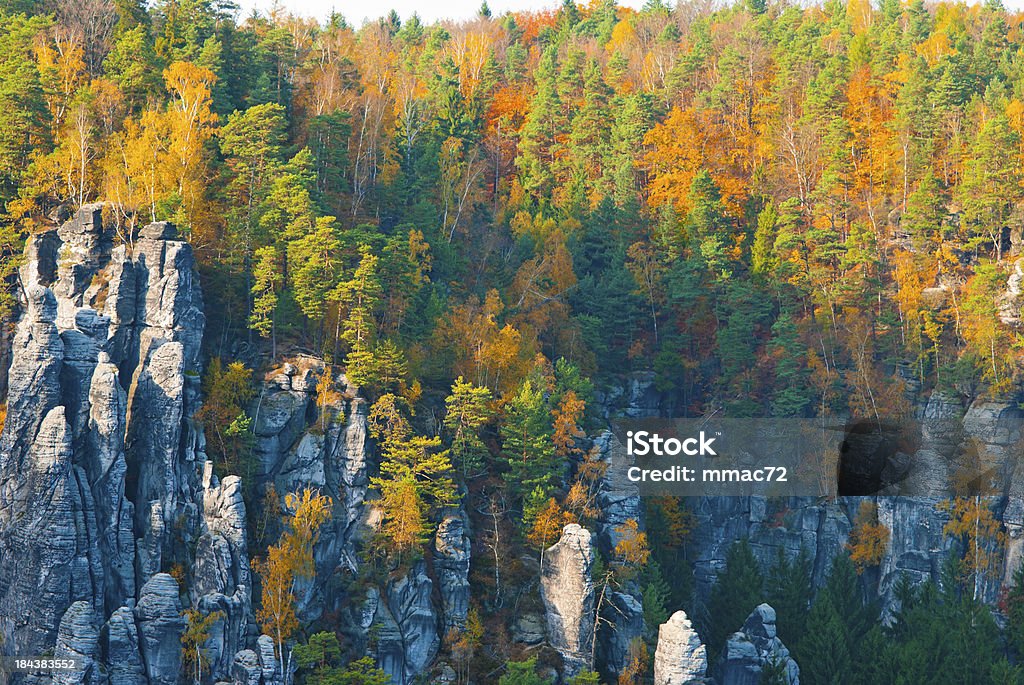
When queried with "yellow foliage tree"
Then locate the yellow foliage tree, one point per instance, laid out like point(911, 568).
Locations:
point(632, 550)
point(972, 521)
point(326, 395)
point(405, 525)
point(287, 561)
point(567, 431)
point(194, 659)
point(868, 539)
point(548, 524)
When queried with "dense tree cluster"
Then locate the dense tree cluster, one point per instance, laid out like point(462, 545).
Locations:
point(618, 188)
point(777, 208)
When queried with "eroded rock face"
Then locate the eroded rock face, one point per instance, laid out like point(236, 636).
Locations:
point(568, 593)
point(748, 652)
point(618, 500)
point(100, 463)
point(158, 615)
point(405, 625)
point(78, 637)
point(221, 578)
point(680, 655)
point(451, 564)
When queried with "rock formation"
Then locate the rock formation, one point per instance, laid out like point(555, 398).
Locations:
point(568, 593)
point(100, 462)
point(755, 648)
point(680, 655)
point(618, 500)
point(405, 625)
point(451, 564)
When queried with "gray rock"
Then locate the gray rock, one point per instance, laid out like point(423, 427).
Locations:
point(680, 655)
point(161, 230)
point(623, 623)
point(529, 629)
point(749, 651)
point(102, 384)
point(161, 626)
point(306, 381)
point(405, 625)
point(124, 656)
point(78, 638)
point(245, 669)
point(568, 593)
point(451, 564)
point(270, 668)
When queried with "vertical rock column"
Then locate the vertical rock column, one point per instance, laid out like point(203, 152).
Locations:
point(680, 656)
point(568, 593)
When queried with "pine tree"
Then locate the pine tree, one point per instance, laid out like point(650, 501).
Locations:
point(656, 597)
point(522, 673)
point(790, 396)
point(313, 266)
point(468, 410)
point(24, 120)
point(789, 588)
point(266, 284)
point(824, 653)
point(358, 297)
point(526, 439)
point(737, 591)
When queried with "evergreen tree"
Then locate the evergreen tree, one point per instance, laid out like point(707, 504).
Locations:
point(1015, 613)
point(522, 673)
point(526, 441)
point(824, 652)
point(737, 591)
point(24, 119)
point(789, 588)
point(468, 411)
point(266, 284)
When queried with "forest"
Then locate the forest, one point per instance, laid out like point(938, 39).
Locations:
point(769, 208)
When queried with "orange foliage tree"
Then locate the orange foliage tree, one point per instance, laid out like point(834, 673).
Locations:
point(868, 539)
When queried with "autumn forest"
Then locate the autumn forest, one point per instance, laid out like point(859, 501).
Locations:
point(763, 208)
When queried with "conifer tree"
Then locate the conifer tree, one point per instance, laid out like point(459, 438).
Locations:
point(468, 411)
point(789, 587)
point(737, 591)
point(526, 438)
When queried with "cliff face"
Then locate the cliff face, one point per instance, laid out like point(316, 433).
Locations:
point(100, 464)
point(917, 546)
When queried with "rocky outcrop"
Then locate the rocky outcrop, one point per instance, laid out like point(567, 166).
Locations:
point(123, 653)
point(618, 500)
point(158, 615)
point(100, 462)
point(221, 578)
point(405, 625)
point(451, 565)
point(78, 638)
point(680, 655)
point(297, 446)
point(567, 590)
point(755, 648)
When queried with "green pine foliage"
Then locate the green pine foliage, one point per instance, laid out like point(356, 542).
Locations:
point(737, 591)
